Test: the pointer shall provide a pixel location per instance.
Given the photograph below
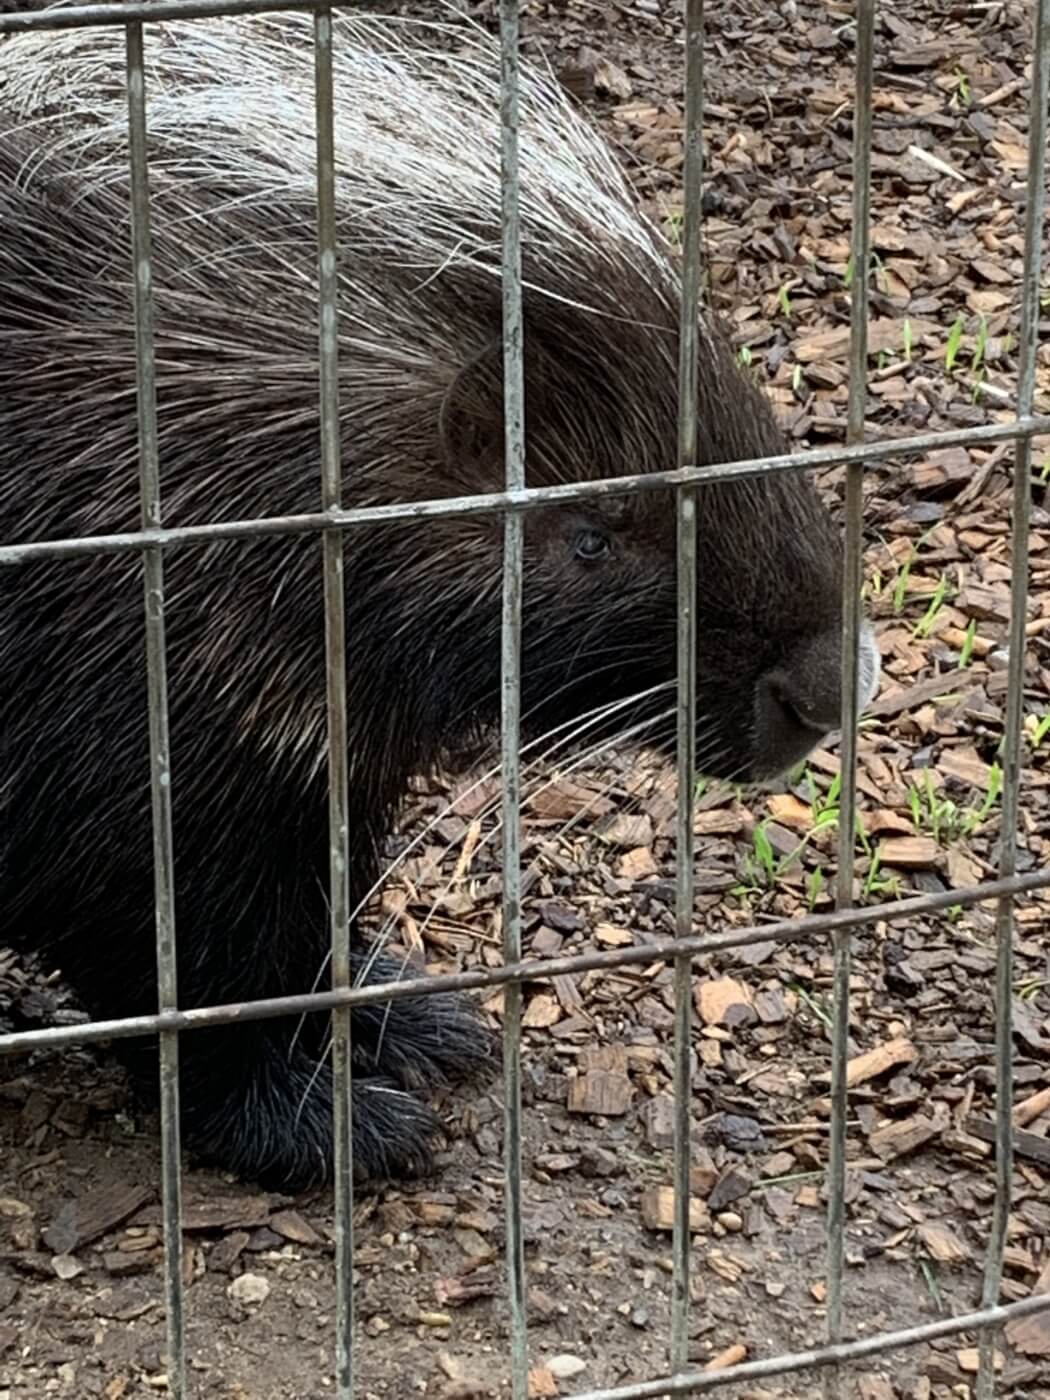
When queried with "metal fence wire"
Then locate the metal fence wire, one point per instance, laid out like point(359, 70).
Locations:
point(334, 522)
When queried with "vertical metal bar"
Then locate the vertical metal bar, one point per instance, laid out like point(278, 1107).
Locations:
point(689, 335)
point(335, 652)
point(1011, 757)
point(514, 450)
point(851, 627)
point(159, 737)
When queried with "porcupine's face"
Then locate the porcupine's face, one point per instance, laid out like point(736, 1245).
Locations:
point(768, 623)
point(600, 593)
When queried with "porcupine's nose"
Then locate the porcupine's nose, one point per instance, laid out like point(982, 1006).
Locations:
point(799, 702)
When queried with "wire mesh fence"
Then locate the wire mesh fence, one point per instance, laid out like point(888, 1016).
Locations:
point(337, 524)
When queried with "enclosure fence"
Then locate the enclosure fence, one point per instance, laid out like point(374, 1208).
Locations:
point(333, 522)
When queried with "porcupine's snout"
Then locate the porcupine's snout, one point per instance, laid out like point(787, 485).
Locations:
point(799, 702)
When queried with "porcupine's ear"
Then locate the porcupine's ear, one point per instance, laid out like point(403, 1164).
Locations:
point(470, 420)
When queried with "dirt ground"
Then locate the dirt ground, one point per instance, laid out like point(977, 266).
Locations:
point(81, 1311)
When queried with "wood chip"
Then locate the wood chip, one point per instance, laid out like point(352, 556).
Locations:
point(638, 864)
point(702, 1173)
point(657, 1115)
point(561, 801)
point(81, 1221)
point(732, 1356)
point(969, 1360)
point(876, 1387)
point(237, 1213)
point(542, 1011)
point(1029, 1145)
point(602, 1088)
point(910, 852)
point(790, 812)
point(626, 830)
point(942, 1244)
point(966, 765)
point(1031, 1335)
point(883, 334)
point(542, 1383)
point(898, 1139)
point(290, 1225)
point(1028, 1110)
point(910, 697)
point(482, 1282)
point(733, 1184)
point(612, 936)
point(658, 1210)
point(875, 1062)
point(724, 1002)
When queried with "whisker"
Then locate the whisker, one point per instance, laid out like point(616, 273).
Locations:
point(384, 932)
point(575, 726)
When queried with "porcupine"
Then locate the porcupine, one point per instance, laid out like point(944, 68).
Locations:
point(232, 163)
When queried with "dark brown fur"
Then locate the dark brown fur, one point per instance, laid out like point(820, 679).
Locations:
point(237, 402)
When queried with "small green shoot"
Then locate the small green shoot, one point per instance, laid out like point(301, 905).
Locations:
point(876, 884)
point(900, 586)
point(951, 350)
point(761, 866)
point(924, 626)
point(817, 1007)
point(945, 820)
point(789, 1180)
point(907, 340)
point(764, 852)
point(825, 808)
point(977, 359)
point(966, 654)
point(815, 885)
point(930, 1279)
point(674, 222)
point(784, 299)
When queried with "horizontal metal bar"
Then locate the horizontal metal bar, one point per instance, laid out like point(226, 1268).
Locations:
point(84, 16)
point(530, 970)
point(838, 1354)
point(533, 498)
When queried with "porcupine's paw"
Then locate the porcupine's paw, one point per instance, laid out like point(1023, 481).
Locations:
point(263, 1111)
point(421, 1042)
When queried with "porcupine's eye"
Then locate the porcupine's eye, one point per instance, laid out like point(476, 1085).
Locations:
point(590, 545)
